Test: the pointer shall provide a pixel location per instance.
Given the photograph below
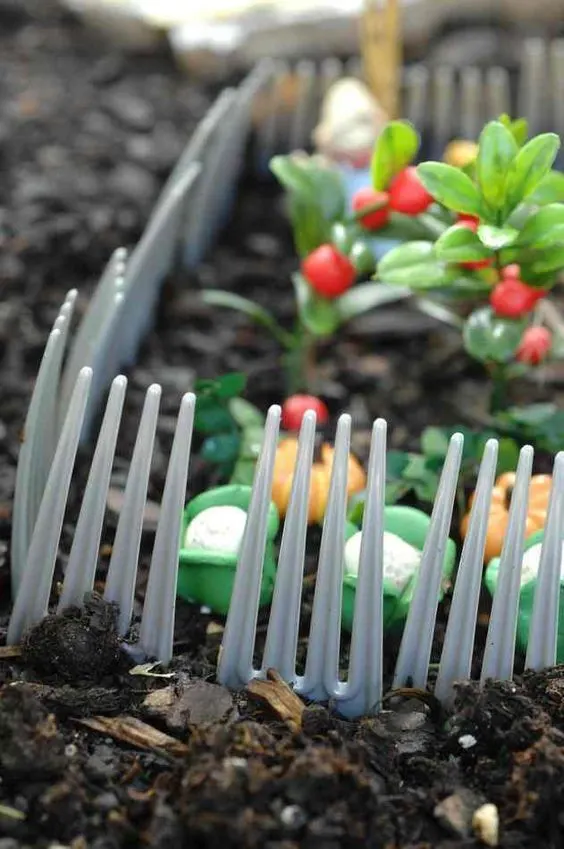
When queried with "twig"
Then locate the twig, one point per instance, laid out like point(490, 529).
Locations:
point(128, 729)
point(279, 697)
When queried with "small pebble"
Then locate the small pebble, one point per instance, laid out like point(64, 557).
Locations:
point(467, 741)
point(485, 823)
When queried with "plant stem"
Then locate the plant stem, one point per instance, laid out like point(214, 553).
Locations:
point(300, 362)
point(498, 398)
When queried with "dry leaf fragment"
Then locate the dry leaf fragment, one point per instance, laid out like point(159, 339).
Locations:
point(279, 697)
point(128, 729)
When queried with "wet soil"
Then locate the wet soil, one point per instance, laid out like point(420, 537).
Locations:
point(98, 752)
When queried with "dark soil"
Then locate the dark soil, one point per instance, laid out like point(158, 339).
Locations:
point(93, 755)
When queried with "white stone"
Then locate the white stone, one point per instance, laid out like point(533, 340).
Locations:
point(531, 563)
point(401, 560)
point(485, 823)
point(467, 741)
point(217, 529)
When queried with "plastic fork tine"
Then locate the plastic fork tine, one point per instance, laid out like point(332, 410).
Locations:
point(81, 567)
point(32, 599)
point(353, 68)
point(283, 623)
point(498, 92)
point(458, 646)
point(235, 664)
point(363, 691)
point(417, 639)
point(543, 631)
point(122, 571)
point(557, 84)
point(471, 98)
point(86, 335)
point(442, 111)
point(533, 82)
point(500, 644)
point(269, 128)
point(416, 84)
point(156, 635)
point(25, 507)
point(324, 636)
point(301, 127)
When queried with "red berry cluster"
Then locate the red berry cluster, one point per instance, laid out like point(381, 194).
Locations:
point(328, 271)
point(406, 194)
point(511, 298)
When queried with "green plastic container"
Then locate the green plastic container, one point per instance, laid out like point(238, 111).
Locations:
point(526, 597)
point(206, 577)
point(412, 526)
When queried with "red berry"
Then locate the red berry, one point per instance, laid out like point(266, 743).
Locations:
point(465, 216)
point(511, 272)
point(408, 194)
point(534, 346)
point(512, 298)
point(295, 407)
point(370, 197)
point(328, 271)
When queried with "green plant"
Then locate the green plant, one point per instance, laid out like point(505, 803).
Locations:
point(504, 249)
point(336, 248)
point(417, 474)
point(232, 427)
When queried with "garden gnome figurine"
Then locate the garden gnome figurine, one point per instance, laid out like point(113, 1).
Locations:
point(351, 121)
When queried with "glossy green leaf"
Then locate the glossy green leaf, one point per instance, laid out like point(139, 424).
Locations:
point(497, 149)
point(343, 236)
point(313, 181)
point(423, 277)
point(519, 128)
point(434, 442)
point(230, 385)
point(507, 455)
point(319, 316)
point(362, 257)
point(251, 441)
point(549, 261)
point(540, 424)
point(316, 195)
point(223, 298)
point(450, 186)
point(395, 148)
point(489, 338)
point(211, 416)
point(459, 244)
point(243, 472)
point(549, 190)
point(366, 296)
point(544, 228)
point(531, 165)
point(496, 238)
point(245, 414)
point(410, 253)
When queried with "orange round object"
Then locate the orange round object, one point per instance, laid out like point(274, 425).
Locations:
point(284, 465)
point(539, 493)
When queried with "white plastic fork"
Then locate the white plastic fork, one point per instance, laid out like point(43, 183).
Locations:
point(361, 692)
